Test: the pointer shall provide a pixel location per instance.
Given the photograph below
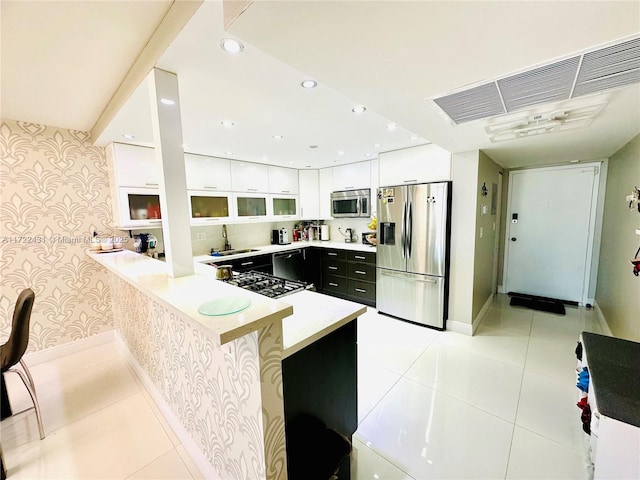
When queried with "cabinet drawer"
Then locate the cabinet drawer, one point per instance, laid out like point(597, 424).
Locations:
point(334, 267)
point(364, 290)
point(331, 283)
point(335, 254)
point(364, 257)
point(362, 272)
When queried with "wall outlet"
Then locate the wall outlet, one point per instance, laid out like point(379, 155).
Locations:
point(202, 236)
point(637, 231)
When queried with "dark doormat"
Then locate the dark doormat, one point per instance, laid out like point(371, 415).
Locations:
point(550, 306)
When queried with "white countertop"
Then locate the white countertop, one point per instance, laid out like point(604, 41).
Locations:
point(356, 247)
point(306, 316)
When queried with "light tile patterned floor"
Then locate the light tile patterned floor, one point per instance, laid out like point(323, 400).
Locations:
point(431, 404)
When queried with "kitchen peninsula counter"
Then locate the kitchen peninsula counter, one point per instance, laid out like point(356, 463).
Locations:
point(219, 379)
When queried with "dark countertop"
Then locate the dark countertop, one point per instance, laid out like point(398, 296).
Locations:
point(614, 370)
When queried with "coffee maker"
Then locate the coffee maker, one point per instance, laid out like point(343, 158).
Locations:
point(280, 237)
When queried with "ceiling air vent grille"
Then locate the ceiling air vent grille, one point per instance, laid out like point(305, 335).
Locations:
point(472, 104)
point(595, 71)
point(611, 67)
point(550, 83)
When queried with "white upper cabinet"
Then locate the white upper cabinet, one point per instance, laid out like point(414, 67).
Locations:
point(425, 163)
point(207, 173)
point(325, 186)
point(352, 176)
point(249, 177)
point(135, 166)
point(309, 194)
point(283, 180)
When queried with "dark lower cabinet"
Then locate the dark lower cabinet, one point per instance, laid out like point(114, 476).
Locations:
point(321, 380)
point(313, 266)
point(260, 263)
point(350, 275)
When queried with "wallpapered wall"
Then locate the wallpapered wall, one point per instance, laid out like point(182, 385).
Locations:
point(54, 191)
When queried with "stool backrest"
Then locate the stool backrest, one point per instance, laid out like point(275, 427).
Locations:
point(12, 351)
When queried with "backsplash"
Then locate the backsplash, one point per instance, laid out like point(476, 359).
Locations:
point(54, 191)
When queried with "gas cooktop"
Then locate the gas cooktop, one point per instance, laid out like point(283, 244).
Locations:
point(268, 285)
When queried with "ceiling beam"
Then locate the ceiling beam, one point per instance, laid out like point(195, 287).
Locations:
point(177, 16)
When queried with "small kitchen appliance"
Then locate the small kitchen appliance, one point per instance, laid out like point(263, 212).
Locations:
point(350, 203)
point(280, 237)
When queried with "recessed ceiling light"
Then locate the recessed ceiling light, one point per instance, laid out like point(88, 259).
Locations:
point(574, 161)
point(368, 154)
point(292, 163)
point(227, 123)
point(376, 145)
point(391, 126)
point(309, 84)
point(359, 109)
point(231, 45)
point(340, 152)
point(414, 137)
point(167, 101)
point(128, 136)
point(278, 137)
point(228, 153)
point(307, 166)
point(313, 146)
point(265, 158)
point(335, 161)
point(185, 145)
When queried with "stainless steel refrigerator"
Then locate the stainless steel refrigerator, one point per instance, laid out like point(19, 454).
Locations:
point(413, 252)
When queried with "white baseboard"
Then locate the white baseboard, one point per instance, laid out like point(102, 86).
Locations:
point(459, 327)
point(602, 320)
point(54, 353)
point(483, 311)
point(199, 459)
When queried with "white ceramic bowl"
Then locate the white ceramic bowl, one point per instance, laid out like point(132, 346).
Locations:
point(107, 244)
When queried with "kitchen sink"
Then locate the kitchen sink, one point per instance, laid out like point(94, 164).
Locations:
point(224, 253)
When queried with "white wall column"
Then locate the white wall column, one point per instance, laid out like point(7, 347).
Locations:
point(167, 136)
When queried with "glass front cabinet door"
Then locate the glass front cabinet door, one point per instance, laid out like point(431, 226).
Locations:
point(209, 207)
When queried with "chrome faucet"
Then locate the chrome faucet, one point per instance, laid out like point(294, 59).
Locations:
point(227, 245)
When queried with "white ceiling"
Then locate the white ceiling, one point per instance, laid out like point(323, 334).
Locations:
point(62, 62)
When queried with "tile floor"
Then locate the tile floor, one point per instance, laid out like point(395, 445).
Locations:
point(432, 405)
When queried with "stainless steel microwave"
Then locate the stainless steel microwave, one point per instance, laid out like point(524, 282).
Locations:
point(351, 203)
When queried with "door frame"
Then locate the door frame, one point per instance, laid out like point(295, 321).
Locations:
point(588, 263)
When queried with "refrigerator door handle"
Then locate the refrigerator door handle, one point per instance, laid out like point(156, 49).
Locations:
point(403, 233)
point(413, 279)
point(410, 233)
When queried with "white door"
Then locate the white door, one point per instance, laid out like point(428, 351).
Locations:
point(549, 231)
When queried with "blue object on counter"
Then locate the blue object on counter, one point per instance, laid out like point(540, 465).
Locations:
point(583, 380)
point(216, 254)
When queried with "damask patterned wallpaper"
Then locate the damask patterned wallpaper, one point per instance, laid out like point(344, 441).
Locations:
point(54, 191)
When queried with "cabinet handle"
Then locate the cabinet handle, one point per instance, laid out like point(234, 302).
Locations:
point(361, 290)
point(410, 181)
point(360, 272)
point(246, 263)
point(333, 268)
point(331, 254)
point(152, 184)
point(213, 220)
point(348, 188)
point(252, 189)
point(333, 284)
point(358, 257)
point(212, 188)
point(284, 191)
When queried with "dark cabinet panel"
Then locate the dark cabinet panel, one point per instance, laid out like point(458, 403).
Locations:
point(362, 271)
point(363, 290)
point(334, 267)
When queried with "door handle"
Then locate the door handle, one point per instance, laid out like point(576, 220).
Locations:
point(513, 239)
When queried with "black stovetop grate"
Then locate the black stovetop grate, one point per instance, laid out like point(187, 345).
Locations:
point(265, 284)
